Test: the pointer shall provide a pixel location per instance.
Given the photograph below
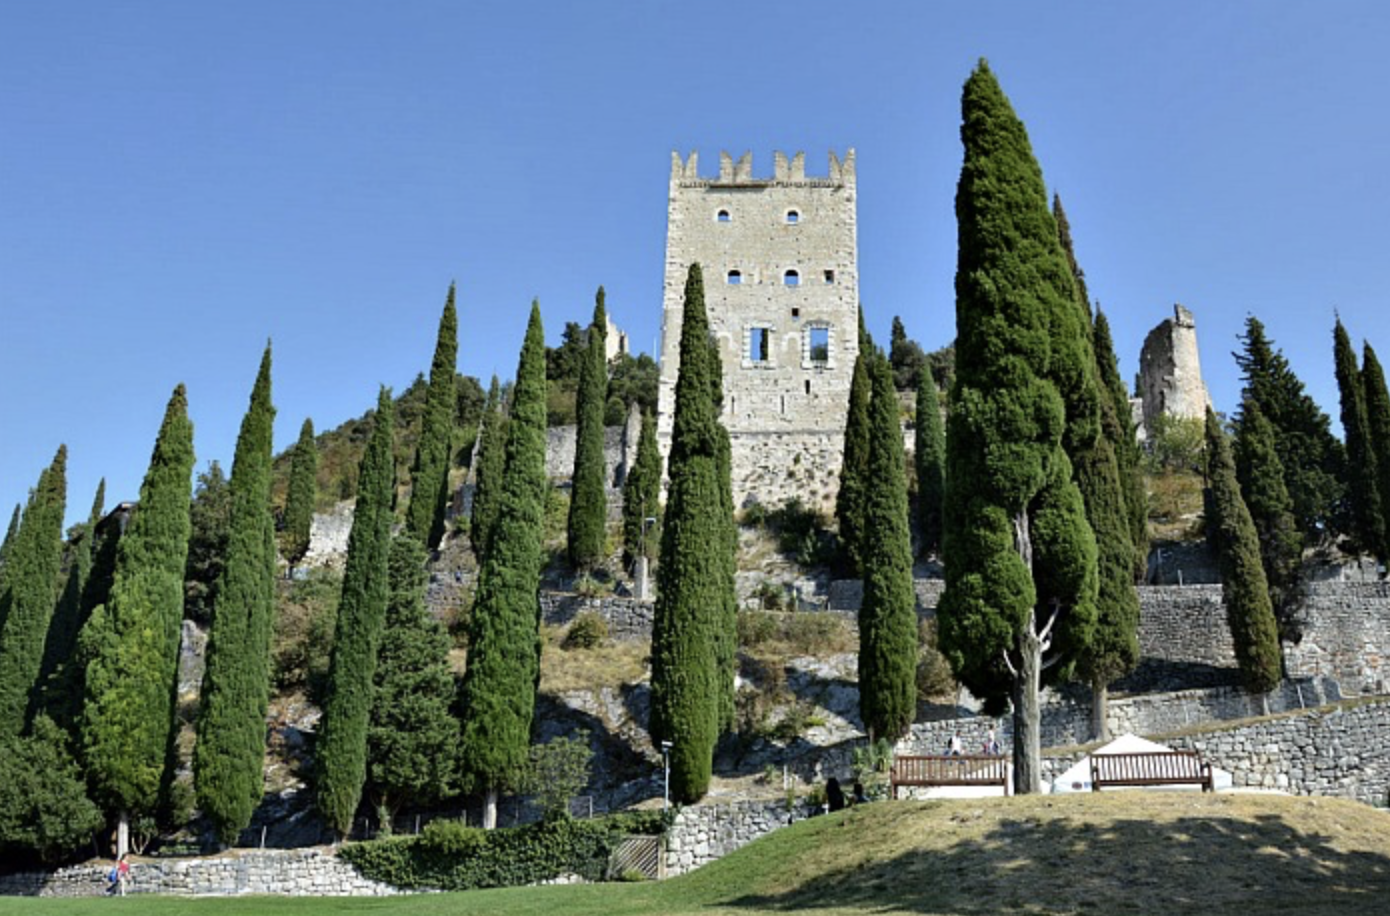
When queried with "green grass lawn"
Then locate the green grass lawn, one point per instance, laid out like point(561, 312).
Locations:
point(1116, 853)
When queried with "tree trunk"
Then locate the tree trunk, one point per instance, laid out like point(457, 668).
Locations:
point(1100, 705)
point(122, 834)
point(1027, 718)
point(490, 808)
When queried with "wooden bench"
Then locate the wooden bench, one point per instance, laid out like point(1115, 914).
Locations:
point(1151, 768)
point(953, 770)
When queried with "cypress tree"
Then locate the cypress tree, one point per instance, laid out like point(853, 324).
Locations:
point(492, 464)
point(9, 538)
point(1271, 511)
point(410, 741)
point(588, 515)
point(1128, 452)
point(888, 614)
point(211, 517)
point(1378, 425)
point(28, 591)
point(686, 706)
point(726, 623)
point(429, 477)
point(60, 679)
point(499, 685)
point(1363, 490)
point(641, 496)
point(1020, 558)
point(930, 455)
point(129, 712)
point(1245, 592)
point(849, 503)
point(299, 506)
point(229, 757)
point(341, 749)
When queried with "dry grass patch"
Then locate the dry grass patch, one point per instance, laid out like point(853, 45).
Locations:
point(612, 664)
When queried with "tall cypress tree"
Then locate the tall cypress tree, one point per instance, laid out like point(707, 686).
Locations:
point(429, 477)
point(854, 483)
point(129, 711)
point(60, 679)
point(303, 492)
point(1245, 592)
point(341, 749)
point(726, 623)
point(499, 685)
point(930, 457)
point(9, 538)
point(1128, 452)
point(685, 706)
point(1271, 511)
point(588, 515)
point(28, 590)
point(1363, 485)
point(888, 615)
point(641, 496)
point(1378, 425)
point(411, 738)
point(492, 464)
point(229, 757)
point(1020, 558)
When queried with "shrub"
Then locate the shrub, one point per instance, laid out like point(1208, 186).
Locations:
point(934, 675)
point(558, 772)
point(588, 631)
point(1174, 444)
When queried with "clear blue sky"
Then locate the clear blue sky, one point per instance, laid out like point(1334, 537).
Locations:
point(179, 182)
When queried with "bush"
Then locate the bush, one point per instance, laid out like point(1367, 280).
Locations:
point(306, 613)
point(43, 802)
point(588, 630)
point(558, 772)
point(934, 675)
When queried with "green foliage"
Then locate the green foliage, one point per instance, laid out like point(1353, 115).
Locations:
point(306, 616)
point(429, 475)
point(588, 516)
point(641, 497)
point(1363, 484)
point(230, 753)
point(631, 380)
point(906, 357)
point(28, 587)
point(887, 616)
point(492, 462)
point(43, 803)
point(588, 630)
point(1245, 592)
point(1174, 445)
point(211, 517)
point(499, 684)
point(1271, 511)
point(60, 678)
point(871, 759)
point(687, 645)
point(412, 733)
point(341, 749)
point(1118, 426)
point(773, 632)
point(451, 856)
point(726, 592)
point(929, 454)
point(10, 533)
point(299, 505)
point(1378, 427)
point(130, 684)
point(849, 503)
point(934, 676)
point(559, 770)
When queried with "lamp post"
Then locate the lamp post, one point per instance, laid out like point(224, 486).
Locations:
point(666, 767)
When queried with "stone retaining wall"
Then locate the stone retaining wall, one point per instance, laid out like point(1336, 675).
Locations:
point(1346, 636)
point(628, 618)
point(701, 834)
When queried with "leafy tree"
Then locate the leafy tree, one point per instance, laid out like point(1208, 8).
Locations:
point(1020, 558)
point(1363, 485)
point(211, 517)
point(299, 507)
point(492, 463)
point(129, 714)
point(563, 366)
point(60, 679)
point(1118, 426)
point(558, 771)
point(1271, 512)
point(888, 615)
point(429, 477)
point(632, 380)
point(930, 456)
point(411, 738)
point(1313, 460)
point(229, 756)
point(907, 359)
point(499, 685)
point(341, 750)
point(587, 527)
point(1245, 592)
point(28, 588)
point(43, 802)
point(1378, 426)
point(686, 695)
point(641, 496)
point(854, 483)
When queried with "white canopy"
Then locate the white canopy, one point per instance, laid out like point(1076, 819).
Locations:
point(1078, 778)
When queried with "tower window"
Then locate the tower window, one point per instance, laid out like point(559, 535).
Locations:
point(819, 349)
point(723, 216)
point(735, 278)
point(808, 386)
point(830, 276)
point(758, 344)
point(791, 278)
point(796, 313)
point(793, 217)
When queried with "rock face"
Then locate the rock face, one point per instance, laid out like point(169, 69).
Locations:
point(1170, 371)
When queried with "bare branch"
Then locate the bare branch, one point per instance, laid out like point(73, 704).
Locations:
point(1004, 654)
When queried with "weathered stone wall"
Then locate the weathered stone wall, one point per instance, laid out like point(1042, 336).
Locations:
point(773, 468)
point(703, 833)
point(559, 452)
point(1185, 624)
point(1346, 636)
point(628, 618)
point(292, 873)
point(328, 537)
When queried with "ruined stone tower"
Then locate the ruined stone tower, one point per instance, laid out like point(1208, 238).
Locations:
point(1170, 372)
point(780, 261)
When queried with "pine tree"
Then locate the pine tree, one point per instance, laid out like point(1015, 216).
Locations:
point(1378, 425)
point(499, 685)
point(1128, 452)
point(1271, 512)
point(229, 757)
point(1020, 558)
point(689, 610)
point(1363, 485)
point(588, 515)
point(129, 712)
point(9, 538)
point(930, 457)
point(429, 477)
point(888, 614)
point(341, 749)
point(411, 738)
point(492, 464)
point(641, 495)
point(849, 503)
point(303, 492)
point(28, 591)
point(1245, 592)
point(60, 679)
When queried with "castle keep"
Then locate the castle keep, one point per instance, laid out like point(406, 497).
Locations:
point(780, 262)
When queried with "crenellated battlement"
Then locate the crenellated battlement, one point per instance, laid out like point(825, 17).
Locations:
point(785, 172)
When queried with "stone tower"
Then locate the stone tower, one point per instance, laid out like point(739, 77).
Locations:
point(1170, 372)
point(780, 261)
